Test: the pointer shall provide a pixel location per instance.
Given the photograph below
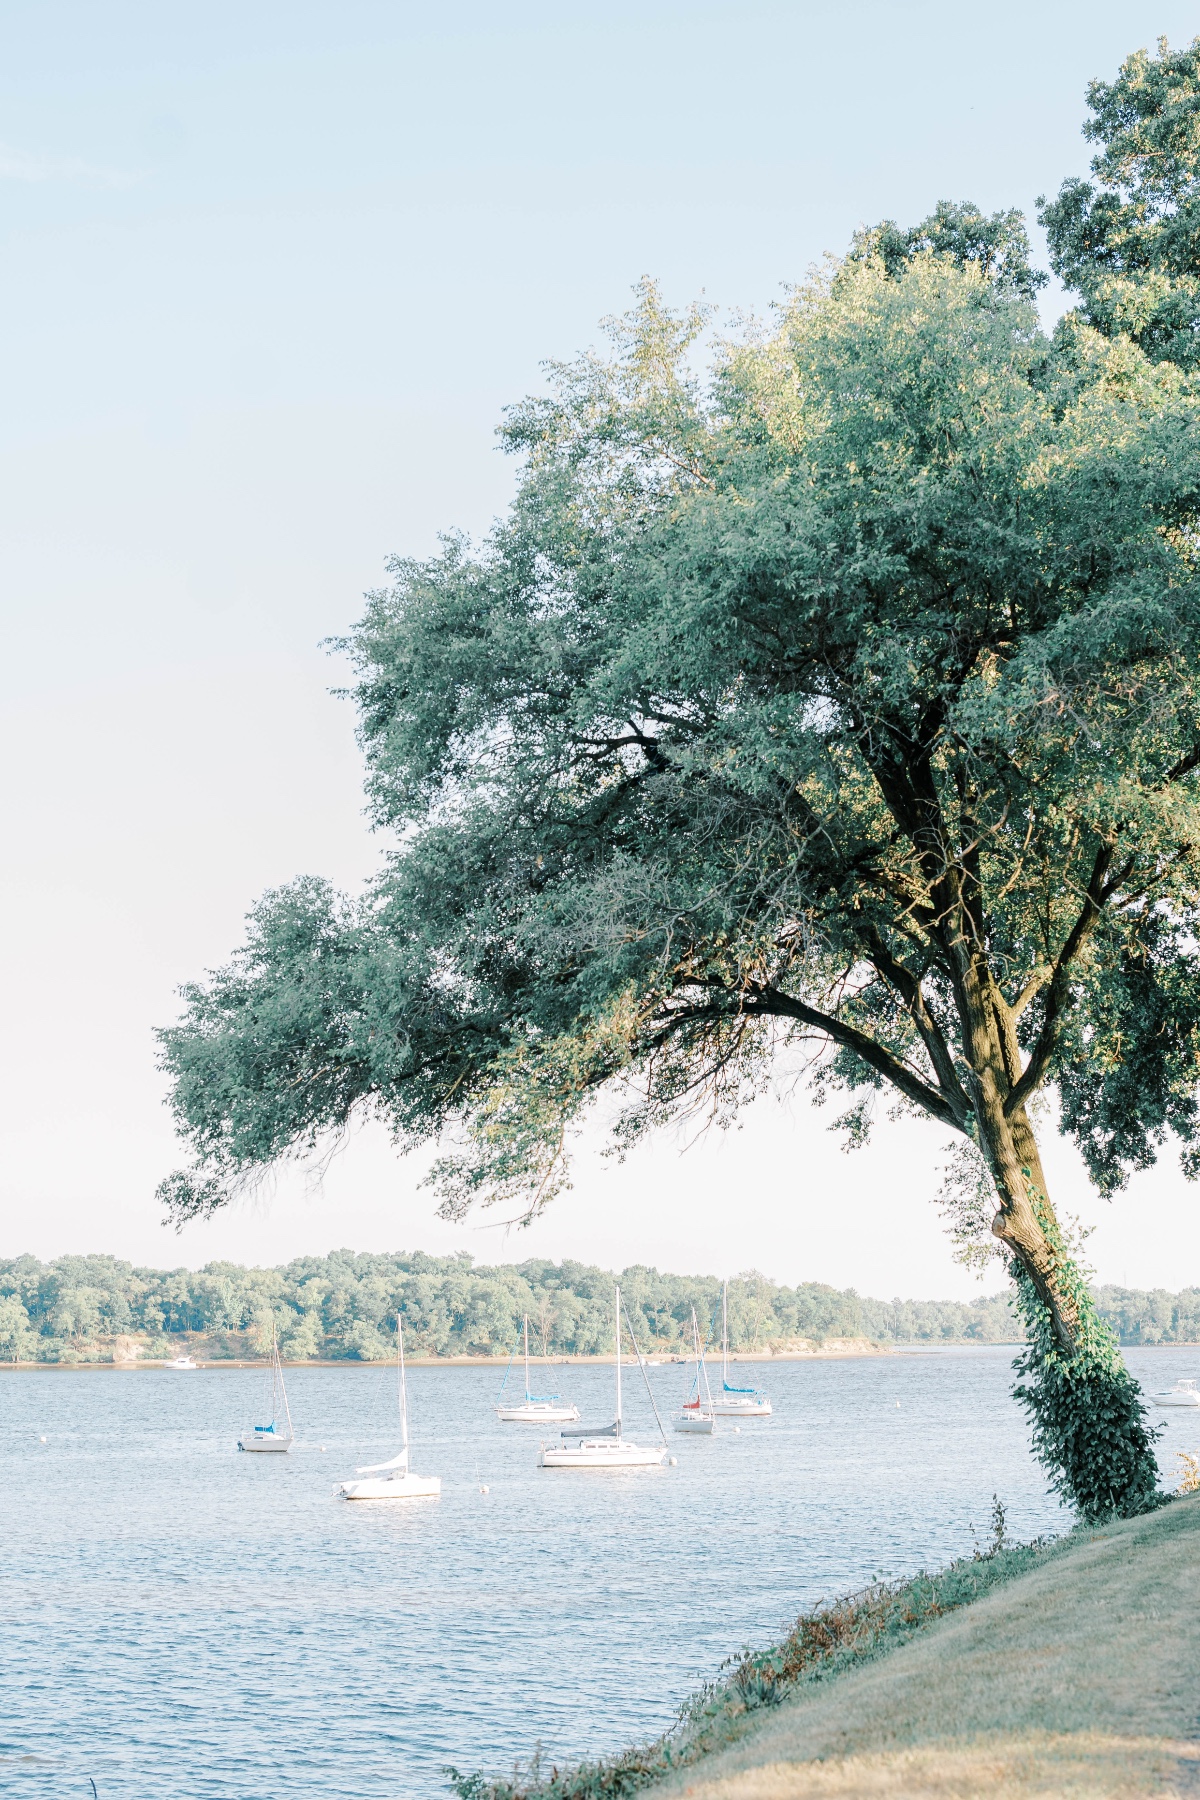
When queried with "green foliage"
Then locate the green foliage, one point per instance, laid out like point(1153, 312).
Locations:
point(667, 754)
point(822, 1644)
point(997, 244)
point(344, 1306)
point(1129, 242)
point(1086, 1411)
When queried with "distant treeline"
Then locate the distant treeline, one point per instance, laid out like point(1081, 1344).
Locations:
point(344, 1305)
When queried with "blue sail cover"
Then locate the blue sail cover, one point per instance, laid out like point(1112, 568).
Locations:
point(736, 1390)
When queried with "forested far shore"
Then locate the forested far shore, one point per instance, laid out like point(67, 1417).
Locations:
point(343, 1306)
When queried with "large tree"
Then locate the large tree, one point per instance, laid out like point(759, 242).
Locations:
point(840, 709)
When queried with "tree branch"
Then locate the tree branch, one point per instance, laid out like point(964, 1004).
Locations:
point(1184, 766)
point(1097, 894)
point(908, 986)
point(776, 1004)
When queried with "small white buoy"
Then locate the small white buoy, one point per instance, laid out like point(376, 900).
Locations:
point(738, 1429)
point(41, 1440)
point(673, 1461)
point(897, 1403)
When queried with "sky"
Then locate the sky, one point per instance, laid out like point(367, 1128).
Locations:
point(271, 274)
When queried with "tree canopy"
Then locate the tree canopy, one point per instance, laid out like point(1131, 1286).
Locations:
point(777, 710)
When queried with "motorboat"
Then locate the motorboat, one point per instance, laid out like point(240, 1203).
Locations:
point(394, 1480)
point(696, 1413)
point(1184, 1393)
point(736, 1402)
point(535, 1409)
point(602, 1446)
point(181, 1362)
point(278, 1435)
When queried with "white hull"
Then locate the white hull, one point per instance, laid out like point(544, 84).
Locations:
point(728, 1406)
point(266, 1440)
point(182, 1362)
point(599, 1453)
point(695, 1421)
point(1185, 1397)
point(399, 1487)
point(535, 1412)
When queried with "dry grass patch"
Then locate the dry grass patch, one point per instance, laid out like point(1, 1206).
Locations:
point(1039, 1766)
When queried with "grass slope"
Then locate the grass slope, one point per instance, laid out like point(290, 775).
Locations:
point(1078, 1678)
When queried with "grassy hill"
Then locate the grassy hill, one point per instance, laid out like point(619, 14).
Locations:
point(1078, 1678)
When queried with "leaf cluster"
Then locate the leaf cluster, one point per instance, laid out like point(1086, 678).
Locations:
point(1129, 241)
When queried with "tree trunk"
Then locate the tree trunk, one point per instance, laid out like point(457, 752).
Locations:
point(1087, 1414)
point(1026, 1222)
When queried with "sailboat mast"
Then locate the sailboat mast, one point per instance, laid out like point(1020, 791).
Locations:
point(618, 1364)
point(403, 1388)
point(277, 1374)
point(725, 1333)
point(527, 1357)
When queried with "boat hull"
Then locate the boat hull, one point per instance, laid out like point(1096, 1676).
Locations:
point(276, 1441)
point(599, 1453)
point(533, 1414)
point(400, 1487)
point(698, 1422)
point(742, 1409)
point(1190, 1401)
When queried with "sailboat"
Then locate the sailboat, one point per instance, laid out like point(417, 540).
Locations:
point(602, 1446)
point(736, 1402)
point(696, 1413)
point(394, 1479)
point(535, 1409)
point(278, 1435)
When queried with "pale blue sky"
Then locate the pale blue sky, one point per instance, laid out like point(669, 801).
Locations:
point(271, 273)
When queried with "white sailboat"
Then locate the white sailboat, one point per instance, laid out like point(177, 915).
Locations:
point(278, 1435)
point(181, 1362)
point(696, 1413)
point(535, 1409)
point(602, 1446)
point(736, 1402)
point(394, 1480)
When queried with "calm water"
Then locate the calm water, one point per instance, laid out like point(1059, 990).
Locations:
point(184, 1621)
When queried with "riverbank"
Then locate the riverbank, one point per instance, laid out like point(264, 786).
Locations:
point(105, 1356)
point(1069, 1671)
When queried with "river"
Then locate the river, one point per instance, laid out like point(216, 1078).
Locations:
point(183, 1621)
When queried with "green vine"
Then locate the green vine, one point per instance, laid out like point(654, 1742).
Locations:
point(1086, 1410)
